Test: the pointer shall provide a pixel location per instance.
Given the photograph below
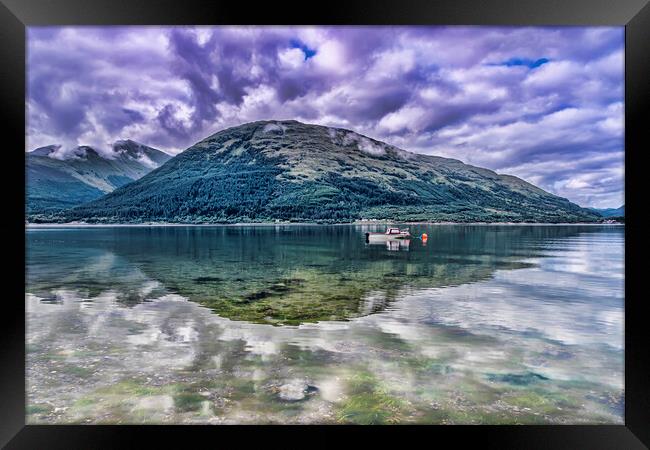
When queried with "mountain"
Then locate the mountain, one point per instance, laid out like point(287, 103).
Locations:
point(610, 212)
point(287, 170)
point(44, 151)
point(58, 180)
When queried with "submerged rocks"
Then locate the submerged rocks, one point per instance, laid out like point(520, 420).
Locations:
point(296, 390)
point(523, 379)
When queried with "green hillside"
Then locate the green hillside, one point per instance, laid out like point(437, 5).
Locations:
point(290, 171)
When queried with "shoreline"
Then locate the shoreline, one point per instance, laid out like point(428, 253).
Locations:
point(270, 224)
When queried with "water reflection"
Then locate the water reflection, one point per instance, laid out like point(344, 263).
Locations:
point(483, 325)
point(398, 245)
point(278, 275)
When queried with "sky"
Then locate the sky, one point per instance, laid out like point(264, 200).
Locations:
point(544, 104)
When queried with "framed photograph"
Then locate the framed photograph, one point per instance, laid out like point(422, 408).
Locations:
point(381, 218)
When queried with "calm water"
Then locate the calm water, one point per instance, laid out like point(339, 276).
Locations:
point(309, 324)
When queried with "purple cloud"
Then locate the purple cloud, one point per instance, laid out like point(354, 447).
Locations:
point(545, 104)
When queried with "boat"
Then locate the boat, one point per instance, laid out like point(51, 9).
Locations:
point(390, 234)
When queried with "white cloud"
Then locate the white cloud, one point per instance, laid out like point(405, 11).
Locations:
point(331, 57)
point(407, 118)
point(554, 75)
point(291, 58)
point(392, 63)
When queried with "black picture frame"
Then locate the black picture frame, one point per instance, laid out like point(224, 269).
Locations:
point(16, 15)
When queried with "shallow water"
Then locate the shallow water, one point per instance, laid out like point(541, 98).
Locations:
point(310, 324)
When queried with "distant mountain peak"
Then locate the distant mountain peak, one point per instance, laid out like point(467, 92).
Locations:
point(55, 151)
point(127, 145)
point(85, 152)
point(146, 155)
point(610, 212)
point(58, 178)
point(129, 148)
point(45, 151)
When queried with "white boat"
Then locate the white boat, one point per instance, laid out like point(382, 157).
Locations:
point(390, 234)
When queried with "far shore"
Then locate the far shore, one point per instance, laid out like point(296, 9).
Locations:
point(268, 224)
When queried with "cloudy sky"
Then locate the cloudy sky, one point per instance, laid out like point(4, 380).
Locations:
point(545, 104)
